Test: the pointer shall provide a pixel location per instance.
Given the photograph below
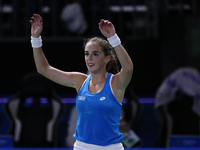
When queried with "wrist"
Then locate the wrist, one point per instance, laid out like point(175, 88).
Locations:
point(36, 42)
point(114, 40)
point(35, 36)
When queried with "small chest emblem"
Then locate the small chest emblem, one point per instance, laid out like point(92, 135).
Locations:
point(82, 98)
point(102, 98)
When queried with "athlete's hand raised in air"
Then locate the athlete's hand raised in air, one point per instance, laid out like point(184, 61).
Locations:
point(106, 28)
point(36, 25)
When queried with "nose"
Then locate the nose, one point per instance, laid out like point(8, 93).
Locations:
point(90, 57)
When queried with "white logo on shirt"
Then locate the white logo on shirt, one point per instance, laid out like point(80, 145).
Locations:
point(82, 98)
point(102, 98)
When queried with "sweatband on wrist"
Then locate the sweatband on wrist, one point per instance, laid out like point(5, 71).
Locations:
point(36, 42)
point(114, 40)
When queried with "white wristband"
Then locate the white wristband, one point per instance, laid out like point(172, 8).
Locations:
point(36, 42)
point(114, 40)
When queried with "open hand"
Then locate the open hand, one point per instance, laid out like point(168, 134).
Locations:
point(36, 25)
point(106, 28)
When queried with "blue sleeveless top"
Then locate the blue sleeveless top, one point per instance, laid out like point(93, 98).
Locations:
point(98, 115)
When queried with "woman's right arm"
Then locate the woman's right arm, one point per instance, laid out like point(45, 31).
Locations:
point(70, 79)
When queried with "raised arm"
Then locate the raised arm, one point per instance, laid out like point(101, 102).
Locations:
point(123, 78)
point(70, 79)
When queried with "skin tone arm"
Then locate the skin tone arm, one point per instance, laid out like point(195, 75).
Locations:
point(70, 79)
point(121, 80)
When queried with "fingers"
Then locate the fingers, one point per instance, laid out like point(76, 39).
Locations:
point(31, 21)
point(102, 21)
point(105, 23)
point(35, 18)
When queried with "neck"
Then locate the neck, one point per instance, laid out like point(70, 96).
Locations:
point(98, 78)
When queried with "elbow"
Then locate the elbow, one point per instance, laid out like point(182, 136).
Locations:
point(41, 71)
point(130, 68)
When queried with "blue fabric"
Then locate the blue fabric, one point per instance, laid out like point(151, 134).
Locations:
point(98, 115)
point(191, 148)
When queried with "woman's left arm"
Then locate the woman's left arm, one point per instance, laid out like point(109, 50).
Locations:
point(125, 74)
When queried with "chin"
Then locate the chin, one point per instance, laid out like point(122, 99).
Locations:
point(91, 70)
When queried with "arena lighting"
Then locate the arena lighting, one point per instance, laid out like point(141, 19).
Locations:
point(128, 8)
point(7, 9)
point(144, 8)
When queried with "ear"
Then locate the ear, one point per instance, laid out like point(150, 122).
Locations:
point(107, 58)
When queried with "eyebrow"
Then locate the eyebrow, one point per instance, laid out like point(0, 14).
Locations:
point(93, 51)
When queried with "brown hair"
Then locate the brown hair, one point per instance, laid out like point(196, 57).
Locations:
point(112, 66)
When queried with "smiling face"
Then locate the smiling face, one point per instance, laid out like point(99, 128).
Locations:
point(95, 58)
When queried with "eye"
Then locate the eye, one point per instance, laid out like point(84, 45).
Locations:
point(86, 54)
point(96, 54)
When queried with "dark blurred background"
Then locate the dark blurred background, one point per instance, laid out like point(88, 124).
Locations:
point(159, 35)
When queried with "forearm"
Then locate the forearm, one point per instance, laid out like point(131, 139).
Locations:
point(124, 58)
point(40, 60)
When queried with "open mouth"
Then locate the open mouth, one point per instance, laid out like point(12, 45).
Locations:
point(90, 64)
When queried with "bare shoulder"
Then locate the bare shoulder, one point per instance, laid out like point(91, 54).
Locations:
point(117, 88)
point(117, 81)
point(79, 78)
point(119, 84)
